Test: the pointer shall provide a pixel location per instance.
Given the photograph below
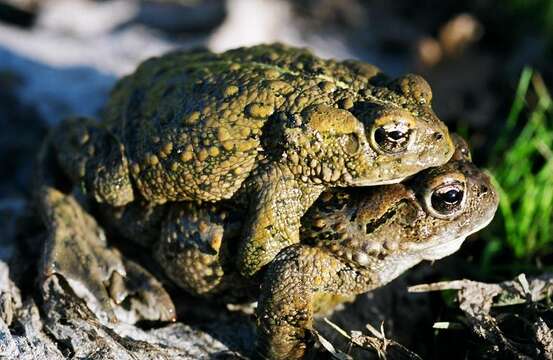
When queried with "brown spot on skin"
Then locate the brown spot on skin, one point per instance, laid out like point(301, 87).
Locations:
point(245, 131)
point(167, 148)
point(335, 175)
point(231, 90)
point(222, 134)
point(279, 86)
point(153, 160)
point(294, 158)
point(213, 151)
point(246, 145)
point(228, 145)
point(272, 74)
point(202, 155)
point(414, 86)
point(192, 118)
point(319, 223)
point(327, 86)
point(259, 111)
point(325, 118)
point(327, 174)
point(186, 156)
point(301, 101)
point(347, 103)
point(174, 166)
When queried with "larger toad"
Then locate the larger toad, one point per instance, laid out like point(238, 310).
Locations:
point(268, 126)
point(352, 240)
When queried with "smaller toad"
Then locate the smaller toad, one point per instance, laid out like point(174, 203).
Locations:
point(356, 240)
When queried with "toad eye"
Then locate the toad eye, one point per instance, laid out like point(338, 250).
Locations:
point(446, 201)
point(392, 138)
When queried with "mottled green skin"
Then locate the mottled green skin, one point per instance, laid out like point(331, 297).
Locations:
point(268, 126)
point(352, 241)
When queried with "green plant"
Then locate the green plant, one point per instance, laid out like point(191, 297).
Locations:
point(521, 165)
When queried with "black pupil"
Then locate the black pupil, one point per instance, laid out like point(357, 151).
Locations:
point(446, 202)
point(392, 141)
point(395, 135)
point(452, 196)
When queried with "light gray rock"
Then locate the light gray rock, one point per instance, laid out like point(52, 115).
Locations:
point(31, 342)
point(177, 16)
point(68, 321)
point(7, 344)
point(10, 298)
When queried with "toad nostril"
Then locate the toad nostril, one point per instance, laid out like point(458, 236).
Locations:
point(484, 189)
point(437, 136)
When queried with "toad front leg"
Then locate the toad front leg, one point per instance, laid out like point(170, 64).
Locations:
point(298, 280)
point(274, 219)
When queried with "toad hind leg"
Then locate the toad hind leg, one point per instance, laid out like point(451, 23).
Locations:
point(195, 250)
point(274, 219)
point(189, 247)
point(296, 280)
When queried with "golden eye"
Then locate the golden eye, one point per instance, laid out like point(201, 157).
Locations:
point(447, 200)
point(393, 132)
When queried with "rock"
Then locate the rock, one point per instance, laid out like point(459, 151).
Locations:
point(67, 63)
point(7, 344)
point(176, 16)
point(10, 298)
point(84, 18)
point(30, 340)
point(532, 339)
point(71, 323)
